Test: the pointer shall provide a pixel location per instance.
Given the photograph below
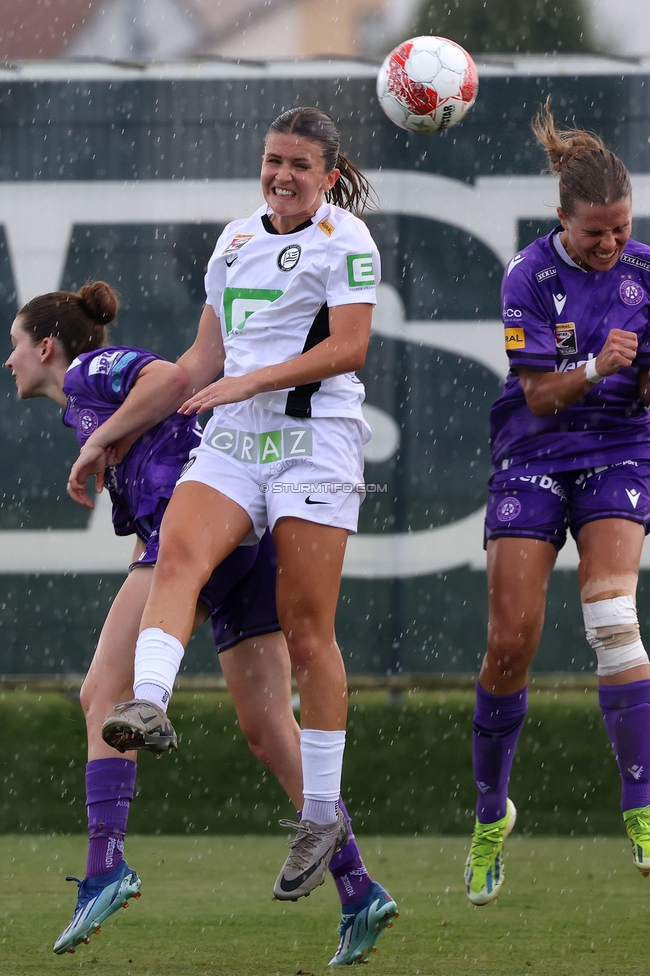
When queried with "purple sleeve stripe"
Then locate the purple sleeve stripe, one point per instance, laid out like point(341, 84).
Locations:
point(533, 367)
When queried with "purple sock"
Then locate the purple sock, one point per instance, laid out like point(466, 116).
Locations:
point(497, 723)
point(348, 870)
point(110, 784)
point(626, 712)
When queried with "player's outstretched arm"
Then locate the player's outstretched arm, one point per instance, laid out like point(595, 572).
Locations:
point(153, 396)
point(551, 392)
point(344, 351)
point(205, 358)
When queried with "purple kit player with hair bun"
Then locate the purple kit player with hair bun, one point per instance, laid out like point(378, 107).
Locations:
point(116, 399)
point(570, 438)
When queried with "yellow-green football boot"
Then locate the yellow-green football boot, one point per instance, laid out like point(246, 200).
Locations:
point(637, 824)
point(484, 871)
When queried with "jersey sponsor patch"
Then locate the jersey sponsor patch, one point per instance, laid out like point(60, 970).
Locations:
point(515, 338)
point(288, 257)
point(631, 292)
point(361, 271)
point(271, 445)
point(103, 363)
point(546, 273)
point(635, 261)
point(237, 243)
point(566, 339)
point(326, 227)
point(240, 303)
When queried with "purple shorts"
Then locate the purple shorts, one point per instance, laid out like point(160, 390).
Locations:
point(240, 594)
point(543, 506)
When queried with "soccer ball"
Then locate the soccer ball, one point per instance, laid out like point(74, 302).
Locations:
point(427, 84)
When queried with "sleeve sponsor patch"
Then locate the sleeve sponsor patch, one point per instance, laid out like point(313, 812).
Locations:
point(326, 227)
point(515, 338)
point(117, 370)
point(635, 261)
point(566, 339)
point(237, 243)
point(546, 273)
point(361, 271)
point(104, 362)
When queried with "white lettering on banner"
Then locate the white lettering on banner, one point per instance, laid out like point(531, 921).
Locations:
point(38, 218)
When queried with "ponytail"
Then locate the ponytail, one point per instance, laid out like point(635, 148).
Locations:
point(78, 319)
point(588, 170)
point(352, 191)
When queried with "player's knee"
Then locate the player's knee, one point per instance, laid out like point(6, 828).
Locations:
point(511, 652)
point(179, 558)
point(86, 698)
point(612, 629)
point(259, 748)
point(307, 648)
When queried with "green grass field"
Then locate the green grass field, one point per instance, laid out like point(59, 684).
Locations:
point(569, 906)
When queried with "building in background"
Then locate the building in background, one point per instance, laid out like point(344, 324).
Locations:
point(256, 29)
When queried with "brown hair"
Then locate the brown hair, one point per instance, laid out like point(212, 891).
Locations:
point(352, 191)
point(78, 319)
point(588, 170)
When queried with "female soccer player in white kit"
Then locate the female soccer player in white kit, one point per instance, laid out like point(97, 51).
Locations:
point(290, 293)
point(570, 438)
point(111, 393)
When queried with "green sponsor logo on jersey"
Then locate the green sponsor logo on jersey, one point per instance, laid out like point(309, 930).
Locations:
point(240, 303)
point(361, 272)
point(271, 445)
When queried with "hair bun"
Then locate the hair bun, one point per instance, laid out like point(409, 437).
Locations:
point(100, 300)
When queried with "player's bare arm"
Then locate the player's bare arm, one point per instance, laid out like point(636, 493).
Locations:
point(205, 358)
point(550, 392)
point(344, 351)
point(153, 398)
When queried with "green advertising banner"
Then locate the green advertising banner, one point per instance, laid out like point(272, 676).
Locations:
point(130, 175)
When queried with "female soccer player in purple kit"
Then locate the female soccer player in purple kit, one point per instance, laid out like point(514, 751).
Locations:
point(111, 393)
point(570, 438)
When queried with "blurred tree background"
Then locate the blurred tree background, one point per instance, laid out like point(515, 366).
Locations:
point(521, 26)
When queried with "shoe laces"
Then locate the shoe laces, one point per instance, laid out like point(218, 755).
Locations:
point(486, 838)
point(306, 837)
point(83, 893)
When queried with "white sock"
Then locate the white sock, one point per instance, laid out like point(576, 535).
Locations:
point(157, 659)
point(322, 762)
point(153, 693)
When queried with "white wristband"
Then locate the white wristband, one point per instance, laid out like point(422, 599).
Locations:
point(591, 373)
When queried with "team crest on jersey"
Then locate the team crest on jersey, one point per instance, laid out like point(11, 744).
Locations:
point(566, 339)
point(515, 338)
point(631, 292)
point(288, 257)
point(237, 243)
point(88, 422)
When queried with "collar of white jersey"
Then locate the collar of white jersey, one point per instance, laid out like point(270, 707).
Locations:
point(321, 214)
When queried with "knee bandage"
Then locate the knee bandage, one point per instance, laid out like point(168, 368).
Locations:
point(612, 630)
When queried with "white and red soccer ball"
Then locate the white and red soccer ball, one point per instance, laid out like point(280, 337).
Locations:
point(427, 84)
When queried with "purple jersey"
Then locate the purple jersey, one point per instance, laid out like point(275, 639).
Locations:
point(96, 384)
point(556, 317)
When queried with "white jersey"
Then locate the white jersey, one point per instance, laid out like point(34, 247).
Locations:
point(271, 293)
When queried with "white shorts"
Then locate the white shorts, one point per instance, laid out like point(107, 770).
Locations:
point(275, 466)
